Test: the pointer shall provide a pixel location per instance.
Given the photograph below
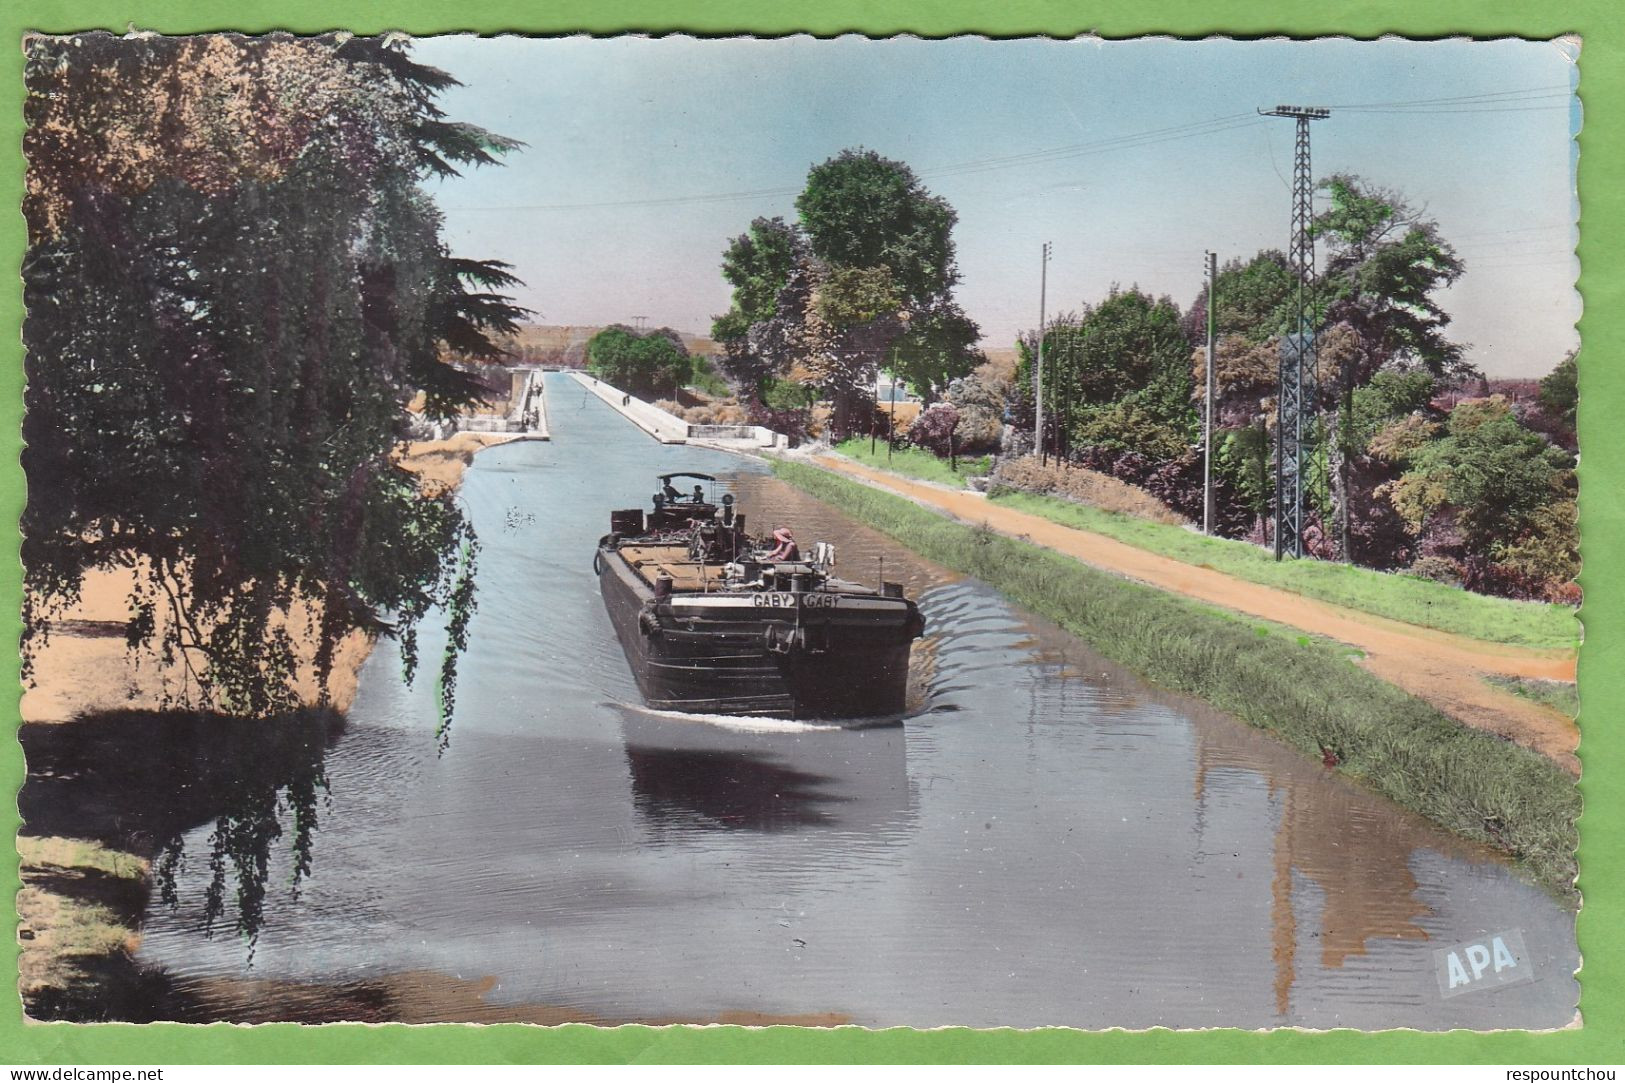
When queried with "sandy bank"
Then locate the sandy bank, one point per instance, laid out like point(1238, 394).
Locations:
point(85, 668)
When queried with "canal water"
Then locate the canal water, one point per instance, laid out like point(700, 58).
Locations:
point(1045, 840)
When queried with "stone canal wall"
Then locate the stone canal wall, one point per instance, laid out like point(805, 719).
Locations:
point(526, 418)
point(667, 428)
point(671, 429)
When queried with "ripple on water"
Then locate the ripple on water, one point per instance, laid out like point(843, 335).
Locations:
point(1047, 841)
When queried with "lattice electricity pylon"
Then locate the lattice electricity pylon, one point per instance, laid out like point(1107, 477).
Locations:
point(1297, 348)
point(1296, 386)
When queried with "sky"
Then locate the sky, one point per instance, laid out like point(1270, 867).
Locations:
point(645, 156)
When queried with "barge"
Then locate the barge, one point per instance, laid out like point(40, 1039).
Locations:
point(713, 621)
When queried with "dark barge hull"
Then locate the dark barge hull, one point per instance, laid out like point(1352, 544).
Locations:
point(711, 653)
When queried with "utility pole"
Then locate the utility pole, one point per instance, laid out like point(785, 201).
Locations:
point(1298, 347)
point(1038, 370)
point(874, 415)
point(891, 411)
point(1208, 502)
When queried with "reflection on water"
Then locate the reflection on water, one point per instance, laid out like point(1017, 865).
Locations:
point(1046, 840)
point(726, 789)
point(1340, 841)
point(240, 852)
point(143, 780)
point(691, 775)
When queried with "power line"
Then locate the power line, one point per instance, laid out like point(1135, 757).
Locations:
point(1133, 143)
point(1479, 254)
point(1156, 135)
point(668, 201)
point(1560, 261)
point(1497, 94)
point(1463, 109)
point(1018, 158)
point(1490, 102)
point(1126, 142)
point(1547, 227)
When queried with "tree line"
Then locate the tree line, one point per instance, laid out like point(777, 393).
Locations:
point(1403, 471)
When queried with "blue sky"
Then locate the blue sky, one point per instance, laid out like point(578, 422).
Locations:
point(646, 155)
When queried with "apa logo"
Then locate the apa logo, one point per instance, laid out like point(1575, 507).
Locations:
point(1489, 962)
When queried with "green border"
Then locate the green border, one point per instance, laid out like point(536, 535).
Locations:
point(1602, 673)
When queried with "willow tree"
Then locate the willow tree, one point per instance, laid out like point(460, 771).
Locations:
point(235, 284)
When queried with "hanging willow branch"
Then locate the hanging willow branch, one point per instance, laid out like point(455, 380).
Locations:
point(228, 315)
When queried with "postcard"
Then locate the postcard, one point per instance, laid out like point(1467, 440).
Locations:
point(885, 532)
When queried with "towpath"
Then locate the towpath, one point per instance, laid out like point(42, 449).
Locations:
point(1446, 670)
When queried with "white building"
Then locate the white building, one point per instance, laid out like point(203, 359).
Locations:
point(890, 389)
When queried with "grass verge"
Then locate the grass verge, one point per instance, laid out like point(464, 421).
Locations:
point(914, 462)
point(1560, 696)
point(1383, 594)
point(77, 915)
point(1308, 693)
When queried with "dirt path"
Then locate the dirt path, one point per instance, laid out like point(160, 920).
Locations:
point(1445, 670)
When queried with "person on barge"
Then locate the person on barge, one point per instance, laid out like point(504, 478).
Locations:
point(786, 550)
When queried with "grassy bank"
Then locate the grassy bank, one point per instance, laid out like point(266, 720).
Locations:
point(1560, 696)
point(1383, 594)
point(1308, 693)
point(914, 462)
point(77, 917)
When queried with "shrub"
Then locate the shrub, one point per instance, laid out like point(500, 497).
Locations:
point(1564, 594)
point(1486, 468)
point(1560, 391)
point(1178, 484)
point(1487, 576)
point(792, 423)
point(1549, 549)
point(724, 412)
point(1131, 426)
point(934, 429)
point(1129, 466)
point(708, 379)
point(780, 394)
point(980, 403)
point(1438, 569)
point(1377, 534)
point(1084, 486)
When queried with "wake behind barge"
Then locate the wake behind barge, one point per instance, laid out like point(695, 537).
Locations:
point(710, 626)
